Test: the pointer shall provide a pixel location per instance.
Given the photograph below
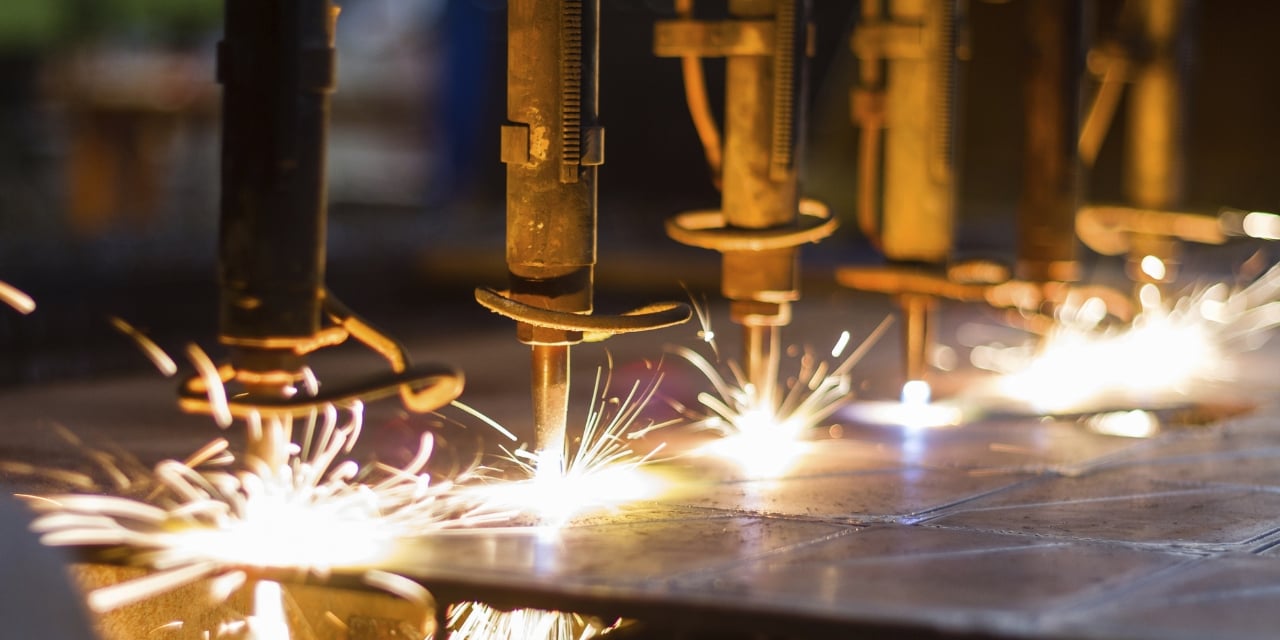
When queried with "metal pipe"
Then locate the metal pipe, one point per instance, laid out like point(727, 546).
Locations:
point(276, 65)
point(1156, 129)
point(1046, 248)
point(550, 384)
point(917, 333)
point(1156, 124)
point(763, 113)
point(919, 156)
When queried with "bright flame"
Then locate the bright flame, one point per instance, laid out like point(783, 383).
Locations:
point(1169, 348)
point(1126, 424)
point(599, 471)
point(761, 430)
point(915, 410)
point(314, 513)
point(916, 393)
point(762, 445)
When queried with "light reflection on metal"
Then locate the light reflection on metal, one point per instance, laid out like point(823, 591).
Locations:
point(761, 430)
point(209, 517)
point(477, 621)
point(1169, 350)
point(268, 621)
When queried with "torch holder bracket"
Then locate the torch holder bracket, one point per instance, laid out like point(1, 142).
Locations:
point(422, 388)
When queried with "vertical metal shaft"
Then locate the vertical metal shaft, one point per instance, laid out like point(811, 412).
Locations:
point(550, 399)
point(1157, 108)
point(920, 102)
point(552, 146)
point(761, 357)
point(1156, 124)
point(276, 64)
point(1046, 250)
point(917, 332)
point(763, 117)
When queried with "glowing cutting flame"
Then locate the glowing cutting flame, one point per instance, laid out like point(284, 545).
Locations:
point(1135, 423)
point(761, 430)
point(314, 514)
point(600, 471)
point(762, 445)
point(1169, 349)
point(914, 410)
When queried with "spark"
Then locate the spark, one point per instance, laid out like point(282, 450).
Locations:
point(213, 385)
point(14, 297)
point(1153, 267)
point(1170, 349)
point(1262, 225)
point(476, 621)
point(601, 470)
point(212, 518)
point(760, 430)
point(158, 357)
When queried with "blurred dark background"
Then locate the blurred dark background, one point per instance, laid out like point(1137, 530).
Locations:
point(109, 159)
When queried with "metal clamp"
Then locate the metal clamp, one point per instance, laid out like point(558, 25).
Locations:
point(421, 388)
point(707, 229)
point(1024, 296)
point(593, 328)
point(1109, 229)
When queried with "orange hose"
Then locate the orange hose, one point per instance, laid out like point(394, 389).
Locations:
point(695, 91)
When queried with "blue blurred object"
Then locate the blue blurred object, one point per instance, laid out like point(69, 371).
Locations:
point(36, 598)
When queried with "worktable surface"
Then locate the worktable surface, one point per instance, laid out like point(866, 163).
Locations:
point(1008, 526)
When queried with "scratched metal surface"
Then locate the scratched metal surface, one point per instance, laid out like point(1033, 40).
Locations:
point(1008, 526)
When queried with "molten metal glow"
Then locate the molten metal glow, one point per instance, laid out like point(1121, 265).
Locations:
point(761, 430)
point(476, 621)
point(915, 410)
point(1169, 349)
point(1126, 424)
point(599, 471)
point(314, 514)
